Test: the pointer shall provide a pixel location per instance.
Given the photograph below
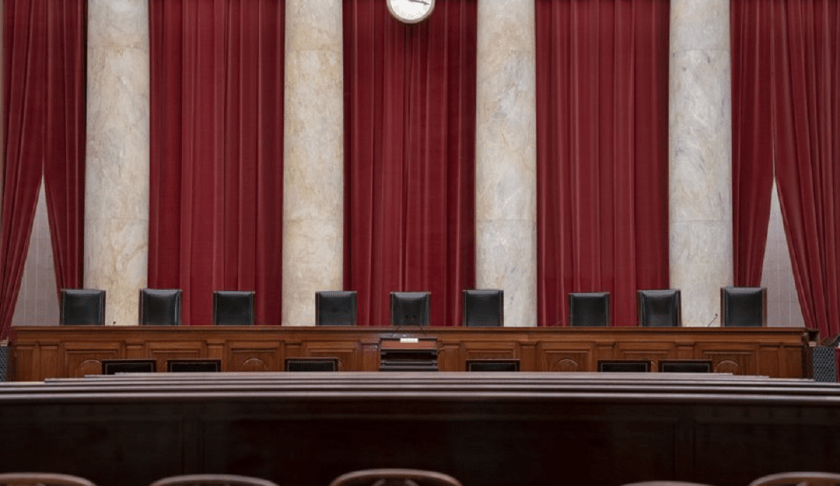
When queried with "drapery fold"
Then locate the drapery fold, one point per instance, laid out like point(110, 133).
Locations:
point(786, 91)
point(602, 152)
point(216, 151)
point(44, 101)
point(409, 157)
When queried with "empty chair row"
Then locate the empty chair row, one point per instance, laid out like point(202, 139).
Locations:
point(740, 306)
point(158, 307)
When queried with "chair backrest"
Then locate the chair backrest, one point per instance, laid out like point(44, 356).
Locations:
point(160, 307)
point(484, 308)
point(395, 477)
point(410, 308)
point(42, 479)
point(589, 309)
point(212, 480)
point(233, 308)
point(335, 308)
point(659, 308)
point(798, 479)
point(743, 306)
point(80, 307)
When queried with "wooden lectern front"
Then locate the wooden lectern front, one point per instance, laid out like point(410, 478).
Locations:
point(408, 354)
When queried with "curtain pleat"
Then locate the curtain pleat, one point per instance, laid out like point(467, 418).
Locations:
point(44, 100)
point(806, 131)
point(409, 157)
point(786, 118)
point(752, 154)
point(216, 151)
point(602, 152)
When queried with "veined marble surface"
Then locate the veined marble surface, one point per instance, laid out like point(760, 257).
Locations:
point(700, 154)
point(506, 212)
point(117, 172)
point(313, 178)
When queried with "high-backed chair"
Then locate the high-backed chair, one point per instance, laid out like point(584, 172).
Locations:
point(743, 306)
point(160, 307)
point(410, 308)
point(233, 308)
point(395, 477)
point(659, 308)
point(484, 308)
point(335, 308)
point(798, 479)
point(589, 309)
point(42, 479)
point(212, 480)
point(80, 307)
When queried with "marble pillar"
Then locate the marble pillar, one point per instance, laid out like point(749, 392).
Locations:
point(506, 186)
point(117, 172)
point(313, 157)
point(700, 153)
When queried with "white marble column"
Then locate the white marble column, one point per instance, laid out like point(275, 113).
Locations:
point(313, 157)
point(506, 185)
point(117, 172)
point(700, 153)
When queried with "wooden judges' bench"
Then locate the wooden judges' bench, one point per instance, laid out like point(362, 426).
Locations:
point(62, 351)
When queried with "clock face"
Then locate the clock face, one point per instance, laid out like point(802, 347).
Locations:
point(411, 11)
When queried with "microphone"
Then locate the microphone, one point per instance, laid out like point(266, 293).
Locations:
point(713, 320)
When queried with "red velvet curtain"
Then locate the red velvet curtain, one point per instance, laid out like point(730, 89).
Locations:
point(216, 212)
point(409, 157)
point(44, 122)
point(786, 96)
point(602, 152)
point(752, 154)
point(806, 129)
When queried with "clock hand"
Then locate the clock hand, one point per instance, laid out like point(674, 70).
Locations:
point(419, 1)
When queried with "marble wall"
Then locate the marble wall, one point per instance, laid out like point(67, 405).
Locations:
point(506, 204)
point(313, 158)
point(117, 173)
point(700, 153)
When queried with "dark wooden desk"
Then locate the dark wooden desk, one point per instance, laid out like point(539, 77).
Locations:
point(42, 352)
point(487, 429)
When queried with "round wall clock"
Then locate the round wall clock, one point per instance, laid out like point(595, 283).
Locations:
point(411, 11)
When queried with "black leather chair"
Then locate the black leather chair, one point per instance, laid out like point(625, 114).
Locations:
point(659, 308)
point(410, 308)
point(335, 308)
point(233, 308)
point(160, 307)
point(82, 307)
point(589, 309)
point(743, 306)
point(484, 308)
